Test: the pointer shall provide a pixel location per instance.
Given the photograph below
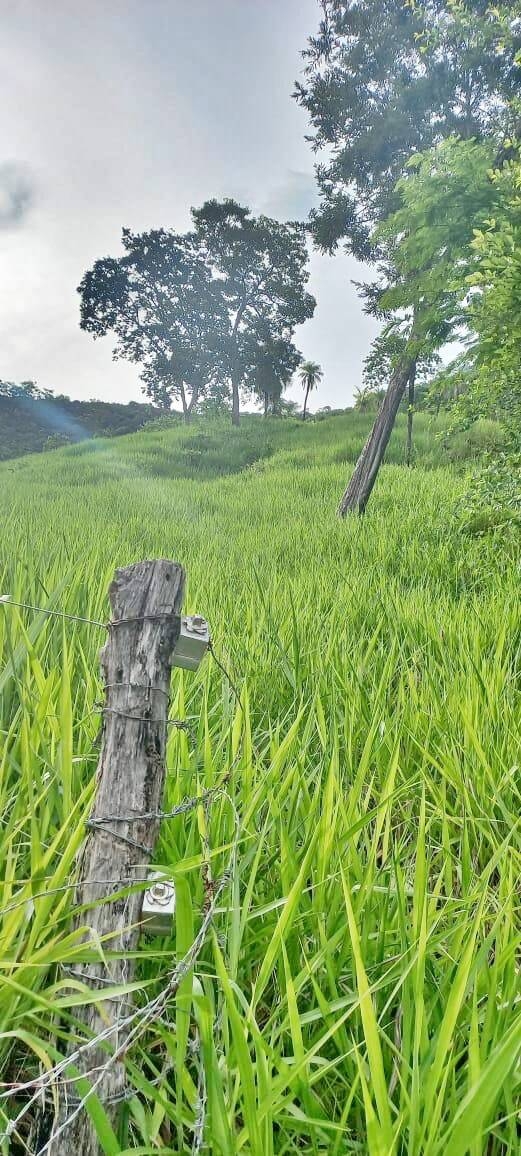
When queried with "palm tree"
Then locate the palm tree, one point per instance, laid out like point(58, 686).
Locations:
point(310, 375)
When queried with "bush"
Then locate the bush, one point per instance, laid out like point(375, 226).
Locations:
point(493, 501)
point(482, 437)
point(56, 441)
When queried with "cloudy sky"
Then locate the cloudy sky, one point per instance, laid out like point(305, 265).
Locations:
point(127, 113)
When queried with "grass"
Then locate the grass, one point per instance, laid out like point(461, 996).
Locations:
point(360, 991)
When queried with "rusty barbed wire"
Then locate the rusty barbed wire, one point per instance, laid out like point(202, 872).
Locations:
point(139, 1019)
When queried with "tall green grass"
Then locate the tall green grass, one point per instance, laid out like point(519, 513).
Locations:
point(360, 990)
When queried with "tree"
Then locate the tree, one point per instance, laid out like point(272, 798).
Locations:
point(386, 79)
point(493, 381)
point(383, 82)
point(310, 375)
point(385, 354)
point(367, 399)
point(268, 364)
point(23, 390)
point(261, 266)
point(166, 310)
point(451, 382)
point(425, 249)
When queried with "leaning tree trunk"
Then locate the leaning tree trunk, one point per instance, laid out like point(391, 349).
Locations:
point(305, 404)
point(410, 415)
point(358, 492)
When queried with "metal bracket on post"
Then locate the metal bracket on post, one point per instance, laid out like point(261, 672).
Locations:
point(158, 910)
point(193, 642)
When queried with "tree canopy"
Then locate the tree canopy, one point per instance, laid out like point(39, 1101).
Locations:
point(386, 79)
point(494, 313)
point(211, 309)
point(424, 246)
point(261, 266)
point(162, 304)
point(310, 374)
point(394, 87)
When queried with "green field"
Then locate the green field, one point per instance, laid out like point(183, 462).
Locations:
point(359, 992)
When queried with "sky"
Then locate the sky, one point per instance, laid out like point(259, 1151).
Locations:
point(127, 113)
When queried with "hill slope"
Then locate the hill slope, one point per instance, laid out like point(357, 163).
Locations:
point(366, 940)
point(27, 424)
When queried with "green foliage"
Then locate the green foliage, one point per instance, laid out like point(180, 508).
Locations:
point(55, 441)
point(487, 376)
point(411, 104)
point(368, 399)
point(33, 419)
point(386, 352)
point(425, 245)
point(388, 80)
point(207, 309)
point(23, 390)
point(361, 992)
point(451, 383)
point(165, 310)
point(261, 266)
point(310, 375)
point(493, 501)
point(482, 439)
point(494, 312)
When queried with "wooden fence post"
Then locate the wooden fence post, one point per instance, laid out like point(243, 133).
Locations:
point(146, 601)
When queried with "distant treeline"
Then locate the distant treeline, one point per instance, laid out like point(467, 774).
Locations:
point(29, 424)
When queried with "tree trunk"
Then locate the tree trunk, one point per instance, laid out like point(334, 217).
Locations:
point(192, 404)
point(189, 406)
point(186, 411)
point(410, 415)
point(305, 404)
point(358, 492)
point(235, 400)
point(146, 602)
point(235, 379)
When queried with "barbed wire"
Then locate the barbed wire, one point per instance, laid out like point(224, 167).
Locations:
point(138, 1020)
point(8, 600)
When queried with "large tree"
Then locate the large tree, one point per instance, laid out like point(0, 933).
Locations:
point(426, 248)
point(385, 80)
point(161, 302)
point(262, 268)
point(204, 311)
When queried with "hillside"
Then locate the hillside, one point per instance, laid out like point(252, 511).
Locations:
point(29, 425)
point(365, 941)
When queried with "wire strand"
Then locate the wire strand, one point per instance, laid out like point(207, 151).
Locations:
point(6, 600)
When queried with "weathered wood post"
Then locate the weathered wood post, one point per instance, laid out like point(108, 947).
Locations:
point(146, 601)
